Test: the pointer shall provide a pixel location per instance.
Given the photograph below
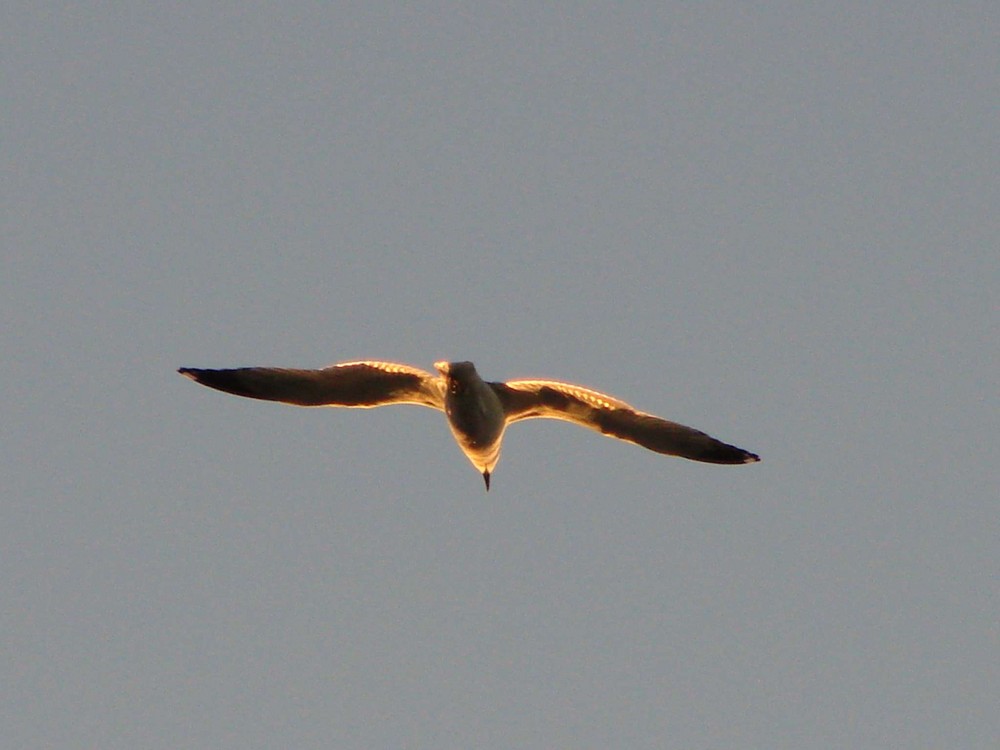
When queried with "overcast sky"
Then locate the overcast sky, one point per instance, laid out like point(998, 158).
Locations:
point(776, 224)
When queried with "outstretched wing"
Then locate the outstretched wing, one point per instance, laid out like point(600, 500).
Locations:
point(353, 384)
point(530, 399)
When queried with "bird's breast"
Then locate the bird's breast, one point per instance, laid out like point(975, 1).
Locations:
point(475, 419)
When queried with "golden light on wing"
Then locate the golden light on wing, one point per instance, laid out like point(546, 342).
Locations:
point(587, 395)
point(390, 367)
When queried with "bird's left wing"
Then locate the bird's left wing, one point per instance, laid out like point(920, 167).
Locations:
point(352, 384)
point(529, 399)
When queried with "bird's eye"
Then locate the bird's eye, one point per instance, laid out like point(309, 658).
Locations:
point(454, 386)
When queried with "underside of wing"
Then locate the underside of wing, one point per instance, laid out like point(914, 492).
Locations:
point(529, 399)
point(351, 384)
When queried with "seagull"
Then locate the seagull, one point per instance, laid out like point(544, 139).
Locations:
point(478, 411)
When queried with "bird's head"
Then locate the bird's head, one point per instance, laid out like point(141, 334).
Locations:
point(457, 370)
point(457, 375)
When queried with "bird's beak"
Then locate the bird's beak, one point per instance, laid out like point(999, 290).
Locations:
point(441, 367)
point(486, 478)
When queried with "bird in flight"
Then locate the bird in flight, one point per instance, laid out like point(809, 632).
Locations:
point(478, 411)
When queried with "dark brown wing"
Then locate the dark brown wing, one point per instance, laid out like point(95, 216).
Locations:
point(353, 384)
point(530, 399)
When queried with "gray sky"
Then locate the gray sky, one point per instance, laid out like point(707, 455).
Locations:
point(778, 225)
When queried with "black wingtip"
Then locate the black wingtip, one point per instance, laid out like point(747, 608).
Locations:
point(739, 456)
point(195, 374)
point(722, 453)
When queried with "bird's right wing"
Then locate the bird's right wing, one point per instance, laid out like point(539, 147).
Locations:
point(353, 384)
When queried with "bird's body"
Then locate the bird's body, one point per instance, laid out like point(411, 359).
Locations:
point(478, 412)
